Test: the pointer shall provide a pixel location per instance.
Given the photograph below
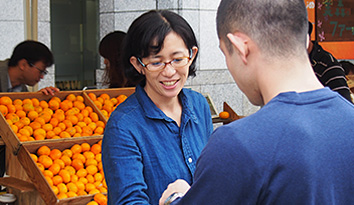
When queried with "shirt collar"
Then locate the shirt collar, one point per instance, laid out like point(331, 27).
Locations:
point(152, 111)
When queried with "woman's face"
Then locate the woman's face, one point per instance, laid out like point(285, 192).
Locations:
point(166, 83)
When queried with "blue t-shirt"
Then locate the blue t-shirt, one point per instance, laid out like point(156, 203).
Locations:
point(143, 150)
point(297, 149)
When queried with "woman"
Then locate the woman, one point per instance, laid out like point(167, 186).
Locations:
point(157, 134)
point(110, 49)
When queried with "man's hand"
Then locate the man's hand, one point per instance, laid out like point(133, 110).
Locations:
point(179, 186)
point(49, 90)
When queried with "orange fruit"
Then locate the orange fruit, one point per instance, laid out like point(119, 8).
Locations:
point(89, 155)
point(80, 105)
point(68, 153)
point(54, 168)
point(92, 169)
point(92, 203)
point(99, 130)
point(66, 159)
point(64, 134)
point(32, 115)
point(62, 196)
point(80, 185)
point(55, 154)
point(80, 98)
point(76, 148)
point(91, 161)
point(24, 132)
point(11, 108)
point(27, 107)
point(81, 172)
point(85, 147)
point(40, 120)
point(98, 104)
point(5, 100)
point(50, 134)
point(65, 175)
point(105, 96)
point(72, 187)
point(71, 194)
point(98, 157)
point(46, 116)
point(12, 117)
point(17, 102)
point(71, 97)
point(83, 180)
point(103, 190)
point(100, 198)
point(54, 121)
point(80, 157)
point(43, 104)
point(77, 135)
point(77, 164)
point(48, 173)
point(65, 105)
point(78, 130)
point(55, 189)
point(56, 99)
point(90, 179)
point(39, 131)
point(40, 167)
point(87, 131)
point(29, 128)
point(89, 109)
point(43, 150)
point(57, 130)
point(98, 177)
point(49, 179)
point(4, 110)
point(53, 104)
point(35, 102)
point(62, 188)
point(94, 191)
point(71, 170)
point(89, 187)
point(92, 125)
point(14, 128)
point(25, 120)
point(39, 137)
point(94, 117)
point(34, 157)
point(96, 148)
point(48, 110)
point(47, 127)
point(62, 126)
point(67, 123)
point(27, 101)
point(71, 130)
point(81, 193)
point(60, 162)
point(74, 178)
point(121, 98)
point(57, 180)
point(21, 113)
point(100, 124)
point(224, 115)
point(19, 124)
point(45, 160)
point(92, 96)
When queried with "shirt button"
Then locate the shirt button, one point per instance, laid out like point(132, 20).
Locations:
point(190, 160)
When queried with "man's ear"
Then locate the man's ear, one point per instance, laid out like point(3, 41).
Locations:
point(22, 64)
point(138, 67)
point(240, 43)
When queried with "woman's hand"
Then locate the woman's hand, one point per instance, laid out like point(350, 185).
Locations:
point(49, 90)
point(179, 186)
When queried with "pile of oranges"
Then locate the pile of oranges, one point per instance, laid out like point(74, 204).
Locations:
point(75, 171)
point(31, 119)
point(98, 199)
point(105, 103)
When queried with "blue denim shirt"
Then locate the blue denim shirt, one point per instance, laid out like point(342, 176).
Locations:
point(143, 150)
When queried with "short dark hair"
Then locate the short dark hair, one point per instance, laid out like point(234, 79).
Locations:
point(150, 28)
point(277, 26)
point(110, 47)
point(310, 28)
point(32, 51)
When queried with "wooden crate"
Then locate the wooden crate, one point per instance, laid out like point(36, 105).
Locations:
point(233, 115)
point(112, 92)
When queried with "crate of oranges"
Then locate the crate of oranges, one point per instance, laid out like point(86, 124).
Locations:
point(65, 173)
point(106, 100)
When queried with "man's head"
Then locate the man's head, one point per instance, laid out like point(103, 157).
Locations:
point(278, 27)
point(30, 58)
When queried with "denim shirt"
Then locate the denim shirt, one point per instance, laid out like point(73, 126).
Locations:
point(143, 150)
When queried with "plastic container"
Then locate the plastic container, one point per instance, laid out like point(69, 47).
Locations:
point(7, 199)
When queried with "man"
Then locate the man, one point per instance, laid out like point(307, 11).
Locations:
point(298, 148)
point(327, 69)
point(27, 66)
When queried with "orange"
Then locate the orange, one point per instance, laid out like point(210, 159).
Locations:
point(89, 109)
point(17, 102)
point(18, 107)
point(55, 189)
point(64, 134)
point(83, 180)
point(103, 190)
point(79, 116)
point(81, 172)
point(62, 196)
point(62, 126)
point(89, 187)
point(101, 100)
point(94, 191)
point(76, 148)
point(32, 115)
point(80, 98)
point(85, 112)
point(80, 185)
point(78, 129)
point(9, 122)
point(90, 178)
point(71, 130)
point(98, 177)
point(72, 187)
point(48, 173)
point(71, 97)
point(92, 96)
point(24, 132)
point(45, 160)
point(4, 110)
point(5, 100)
point(54, 121)
point(65, 105)
point(57, 130)
point(40, 167)
point(89, 154)
point(27, 101)
point(39, 131)
point(99, 130)
point(55, 154)
point(67, 123)
point(21, 113)
point(49, 179)
point(92, 125)
point(100, 124)
point(114, 101)
point(35, 102)
point(39, 137)
point(12, 117)
point(87, 131)
point(43, 150)
point(40, 120)
point(50, 134)
point(121, 98)
point(92, 169)
point(19, 124)
point(54, 168)
point(27, 107)
point(25, 120)
point(105, 96)
point(80, 157)
point(68, 153)
point(73, 119)
point(65, 175)
point(58, 115)
point(71, 194)
point(56, 99)
point(71, 170)
point(74, 178)
point(98, 104)
point(100, 198)
point(11, 108)
point(60, 162)
point(53, 104)
point(91, 161)
point(47, 127)
point(98, 157)
point(14, 128)
point(38, 109)
point(66, 159)
point(77, 135)
point(81, 193)
point(48, 110)
point(77, 164)
point(107, 108)
point(34, 157)
point(96, 148)
point(85, 147)
point(80, 105)
point(46, 116)
point(43, 104)
point(29, 128)
point(224, 115)
point(81, 124)
point(92, 203)
point(62, 188)
point(57, 180)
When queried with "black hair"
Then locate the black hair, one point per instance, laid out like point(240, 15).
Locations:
point(279, 27)
point(147, 34)
point(110, 47)
point(310, 28)
point(32, 51)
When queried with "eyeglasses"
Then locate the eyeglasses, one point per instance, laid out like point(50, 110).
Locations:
point(43, 72)
point(176, 63)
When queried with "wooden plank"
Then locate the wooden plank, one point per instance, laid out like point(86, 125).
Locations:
point(16, 183)
point(8, 136)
